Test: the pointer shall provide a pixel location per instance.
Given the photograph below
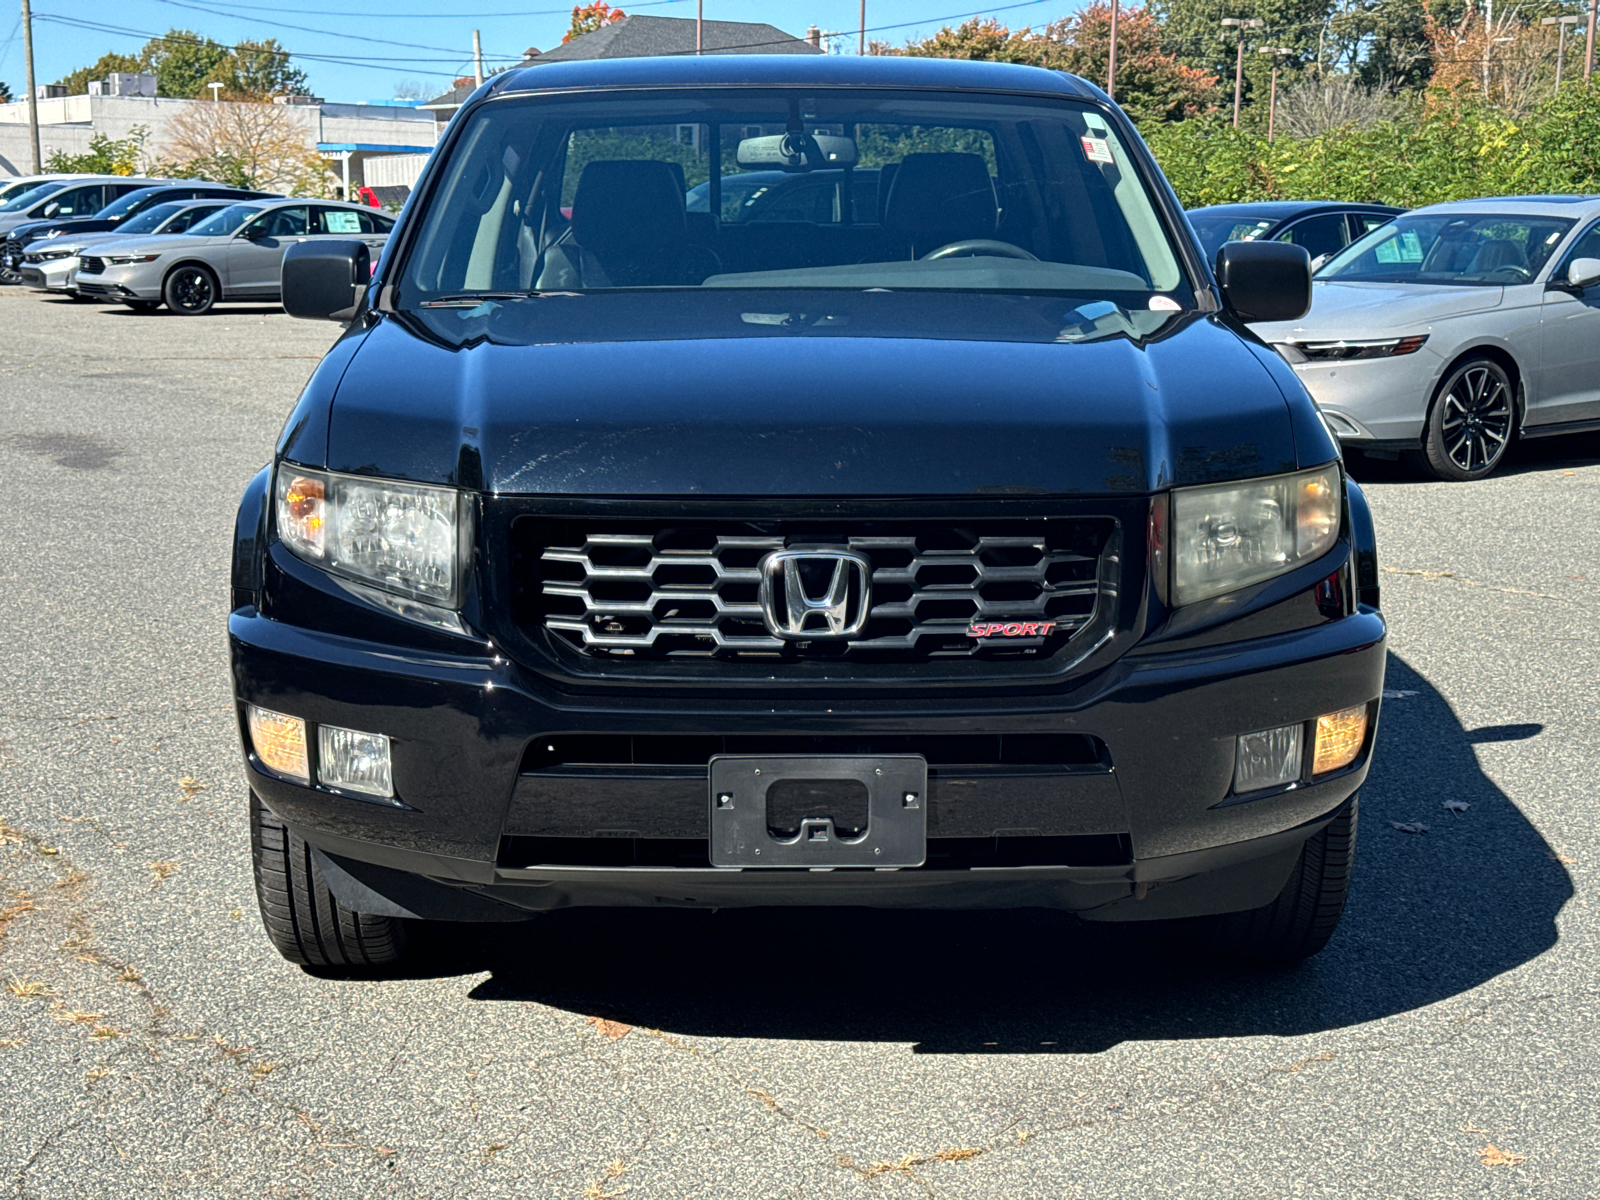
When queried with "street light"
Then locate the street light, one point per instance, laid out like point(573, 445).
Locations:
point(1241, 23)
point(1277, 52)
point(215, 88)
point(1561, 24)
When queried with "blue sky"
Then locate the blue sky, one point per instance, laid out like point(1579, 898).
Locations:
point(440, 31)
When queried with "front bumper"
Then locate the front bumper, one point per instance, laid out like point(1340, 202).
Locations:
point(462, 726)
point(52, 276)
point(1381, 400)
point(138, 281)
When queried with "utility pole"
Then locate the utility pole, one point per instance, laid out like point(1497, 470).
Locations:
point(1240, 23)
point(1278, 53)
point(477, 57)
point(861, 44)
point(1111, 67)
point(1589, 50)
point(1561, 24)
point(699, 22)
point(33, 96)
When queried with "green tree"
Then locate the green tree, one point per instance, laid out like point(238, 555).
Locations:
point(1193, 31)
point(183, 62)
point(258, 71)
point(105, 156)
point(586, 18)
point(77, 82)
point(5, 92)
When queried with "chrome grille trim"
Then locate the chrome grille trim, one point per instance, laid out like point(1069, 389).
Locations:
point(608, 592)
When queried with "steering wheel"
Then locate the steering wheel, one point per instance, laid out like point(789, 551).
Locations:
point(1521, 274)
point(979, 246)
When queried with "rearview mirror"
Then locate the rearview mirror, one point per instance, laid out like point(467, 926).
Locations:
point(796, 152)
point(325, 280)
point(1583, 272)
point(1264, 281)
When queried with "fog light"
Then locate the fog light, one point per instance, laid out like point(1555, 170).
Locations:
point(280, 743)
point(354, 761)
point(1268, 759)
point(1339, 739)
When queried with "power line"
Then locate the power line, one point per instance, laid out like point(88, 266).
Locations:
point(353, 37)
point(433, 16)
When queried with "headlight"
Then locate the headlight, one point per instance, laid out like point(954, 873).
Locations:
point(123, 260)
point(1341, 351)
point(402, 537)
point(52, 255)
point(1229, 535)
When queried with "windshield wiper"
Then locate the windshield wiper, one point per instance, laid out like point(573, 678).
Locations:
point(473, 299)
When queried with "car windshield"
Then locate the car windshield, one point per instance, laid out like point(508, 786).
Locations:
point(1459, 249)
point(31, 197)
point(778, 188)
point(152, 218)
point(124, 204)
point(1214, 232)
point(228, 220)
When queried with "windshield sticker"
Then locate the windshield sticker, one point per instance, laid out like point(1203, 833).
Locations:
point(1096, 149)
point(1164, 304)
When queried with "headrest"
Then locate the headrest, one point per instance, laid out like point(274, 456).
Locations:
point(942, 198)
point(623, 204)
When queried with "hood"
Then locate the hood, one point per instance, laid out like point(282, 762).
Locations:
point(1376, 310)
point(66, 227)
point(967, 395)
point(153, 244)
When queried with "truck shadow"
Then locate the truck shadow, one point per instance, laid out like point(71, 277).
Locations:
point(1431, 915)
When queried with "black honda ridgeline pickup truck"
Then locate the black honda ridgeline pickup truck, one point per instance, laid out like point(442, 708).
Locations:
point(940, 539)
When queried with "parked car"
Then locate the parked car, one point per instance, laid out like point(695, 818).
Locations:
point(1455, 330)
point(111, 217)
point(1323, 227)
point(52, 264)
point(62, 198)
point(12, 188)
point(976, 557)
point(234, 254)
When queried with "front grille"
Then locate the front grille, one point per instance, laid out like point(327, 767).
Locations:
point(91, 266)
point(12, 252)
point(654, 590)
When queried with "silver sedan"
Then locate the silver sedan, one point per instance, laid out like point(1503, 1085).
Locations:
point(235, 254)
point(1456, 328)
point(50, 264)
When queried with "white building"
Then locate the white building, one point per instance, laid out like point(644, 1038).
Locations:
point(350, 134)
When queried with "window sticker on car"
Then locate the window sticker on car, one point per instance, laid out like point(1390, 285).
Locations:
point(343, 222)
point(1097, 149)
point(1406, 248)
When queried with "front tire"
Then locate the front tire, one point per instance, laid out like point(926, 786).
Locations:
point(191, 291)
point(1471, 424)
point(303, 918)
point(1301, 920)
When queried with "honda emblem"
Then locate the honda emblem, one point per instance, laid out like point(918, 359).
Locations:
point(808, 593)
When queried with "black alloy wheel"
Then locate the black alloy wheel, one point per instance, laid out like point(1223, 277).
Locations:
point(1472, 422)
point(190, 291)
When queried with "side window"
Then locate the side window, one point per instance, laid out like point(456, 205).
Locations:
point(74, 202)
point(283, 222)
point(382, 223)
point(1319, 235)
point(187, 218)
point(1362, 224)
point(341, 221)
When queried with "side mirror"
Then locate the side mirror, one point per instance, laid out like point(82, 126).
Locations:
point(253, 232)
point(1316, 263)
point(1264, 281)
point(325, 280)
point(1583, 273)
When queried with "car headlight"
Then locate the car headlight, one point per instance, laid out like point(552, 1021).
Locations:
point(122, 260)
point(1345, 350)
point(52, 255)
point(1229, 535)
point(402, 537)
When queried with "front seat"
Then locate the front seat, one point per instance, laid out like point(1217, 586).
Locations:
point(628, 229)
point(936, 199)
point(1493, 255)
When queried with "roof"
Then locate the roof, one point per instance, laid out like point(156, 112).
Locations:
point(1523, 206)
point(781, 70)
point(1278, 210)
point(649, 37)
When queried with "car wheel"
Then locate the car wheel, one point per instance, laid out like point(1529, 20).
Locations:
point(304, 920)
point(1472, 422)
point(1301, 920)
point(190, 291)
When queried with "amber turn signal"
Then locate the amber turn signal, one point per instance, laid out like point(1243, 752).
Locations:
point(1340, 736)
point(280, 743)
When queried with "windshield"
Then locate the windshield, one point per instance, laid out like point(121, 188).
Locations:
point(1460, 249)
point(151, 218)
point(120, 206)
point(31, 197)
point(779, 188)
point(1214, 232)
point(9, 191)
point(220, 224)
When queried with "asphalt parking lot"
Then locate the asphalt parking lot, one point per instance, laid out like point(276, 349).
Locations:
point(1447, 1044)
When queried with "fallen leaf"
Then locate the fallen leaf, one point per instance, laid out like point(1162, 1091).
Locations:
point(1455, 806)
point(190, 786)
point(610, 1030)
point(1492, 1156)
point(162, 870)
point(1410, 826)
point(959, 1154)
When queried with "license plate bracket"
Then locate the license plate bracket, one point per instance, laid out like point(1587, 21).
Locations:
point(896, 833)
